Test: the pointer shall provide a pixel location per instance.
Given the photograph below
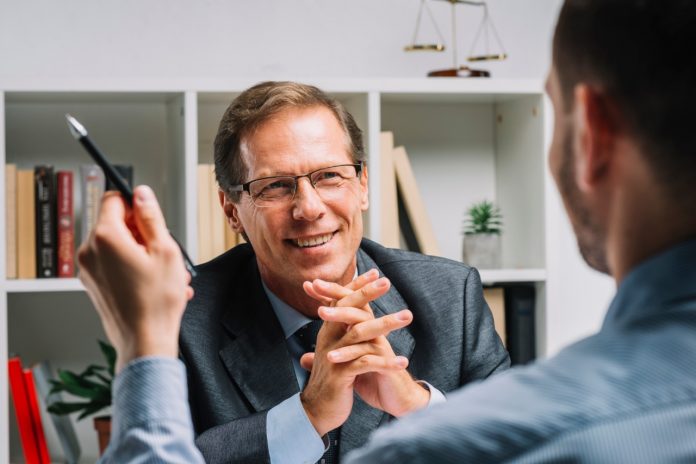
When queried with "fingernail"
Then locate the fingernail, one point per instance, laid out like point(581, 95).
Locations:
point(403, 315)
point(143, 194)
point(381, 283)
point(320, 283)
point(372, 272)
point(334, 356)
point(327, 310)
point(401, 361)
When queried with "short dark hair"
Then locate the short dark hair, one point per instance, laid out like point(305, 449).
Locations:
point(642, 55)
point(258, 104)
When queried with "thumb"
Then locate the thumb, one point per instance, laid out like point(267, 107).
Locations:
point(147, 214)
point(307, 361)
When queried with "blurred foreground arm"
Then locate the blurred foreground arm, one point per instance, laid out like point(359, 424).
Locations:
point(134, 274)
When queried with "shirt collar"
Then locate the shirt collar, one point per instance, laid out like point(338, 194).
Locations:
point(291, 320)
point(658, 283)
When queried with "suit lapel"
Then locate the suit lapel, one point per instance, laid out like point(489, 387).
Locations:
point(256, 354)
point(363, 418)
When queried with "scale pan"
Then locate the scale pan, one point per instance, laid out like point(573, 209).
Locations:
point(498, 57)
point(424, 48)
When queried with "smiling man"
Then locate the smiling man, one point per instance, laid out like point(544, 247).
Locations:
point(291, 168)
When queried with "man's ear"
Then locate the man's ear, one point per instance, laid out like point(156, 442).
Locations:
point(364, 192)
point(595, 130)
point(231, 212)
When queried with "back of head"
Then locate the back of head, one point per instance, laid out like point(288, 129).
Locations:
point(642, 55)
point(259, 104)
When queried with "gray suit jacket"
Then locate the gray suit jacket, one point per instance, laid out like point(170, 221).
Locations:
point(239, 367)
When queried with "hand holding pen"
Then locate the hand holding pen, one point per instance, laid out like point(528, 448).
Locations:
point(80, 133)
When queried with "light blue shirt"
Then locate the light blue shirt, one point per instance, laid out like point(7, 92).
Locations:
point(151, 420)
point(624, 395)
point(291, 436)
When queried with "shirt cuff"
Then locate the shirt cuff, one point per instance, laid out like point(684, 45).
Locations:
point(150, 389)
point(291, 436)
point(436, 396)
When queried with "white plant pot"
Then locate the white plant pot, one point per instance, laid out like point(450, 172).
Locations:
point(482, 251)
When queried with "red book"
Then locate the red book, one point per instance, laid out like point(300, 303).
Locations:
point(40, 438)
point(66, 225)
point(22, 411)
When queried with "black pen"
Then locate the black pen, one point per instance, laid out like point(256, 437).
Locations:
point(80, 133)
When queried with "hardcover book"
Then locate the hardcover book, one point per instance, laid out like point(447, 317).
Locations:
point(26, 225)
point(20, 400)
point(92, 185)
point(65, 430)
point(66, 225)
point(11, 221)
point(45, 197)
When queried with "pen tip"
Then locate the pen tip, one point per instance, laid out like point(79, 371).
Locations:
point(76, 129)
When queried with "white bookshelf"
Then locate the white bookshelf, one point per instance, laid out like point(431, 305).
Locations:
point(467, 140)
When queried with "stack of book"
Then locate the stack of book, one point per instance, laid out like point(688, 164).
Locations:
point(405, 222)
point(30, 390)
point(40, 217)
point(215, 236)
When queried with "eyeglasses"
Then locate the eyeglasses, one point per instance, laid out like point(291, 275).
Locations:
point(277, 190)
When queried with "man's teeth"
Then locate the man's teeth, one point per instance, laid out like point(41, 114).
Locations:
point(313, 241)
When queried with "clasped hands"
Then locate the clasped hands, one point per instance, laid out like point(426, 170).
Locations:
point(353, 355)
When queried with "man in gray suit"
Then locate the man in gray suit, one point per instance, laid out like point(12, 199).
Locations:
point(624, 158)
point(293, 180)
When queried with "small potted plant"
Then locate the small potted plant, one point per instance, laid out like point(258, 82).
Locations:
point(482, 229)
point(93, 384)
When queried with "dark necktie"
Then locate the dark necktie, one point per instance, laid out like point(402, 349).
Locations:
point(307, 336)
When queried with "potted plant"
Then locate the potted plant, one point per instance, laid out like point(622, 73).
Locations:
point(93, 384)
point(482, 229)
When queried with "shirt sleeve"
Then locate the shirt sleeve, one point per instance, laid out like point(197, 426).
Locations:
point(436, 396)
point(291, 436)
point(151, 417)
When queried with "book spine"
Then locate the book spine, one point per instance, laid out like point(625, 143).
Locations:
point(35, 412)
point(26, 225)
point(66, 225)
point(45, 197)
point(20, 400)
point(63, 425)
point(11, 221)
point(92, 189)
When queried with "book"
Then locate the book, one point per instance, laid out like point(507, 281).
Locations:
point(390, 236)
point(66, 224)
point(20, 400)
point(217, 217)
point(26, 225)
point(43, 374)
point(45, 198)
point(495, 297)
point(520, 320)
point(11, 221)
point(125, 171)
point(92, 184)
point(413, 217)
point(35, 412)
point(205, 239)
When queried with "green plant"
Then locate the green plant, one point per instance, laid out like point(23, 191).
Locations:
point(483, 218)
point(94, 384)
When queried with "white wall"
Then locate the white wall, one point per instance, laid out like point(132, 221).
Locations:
point(254, 38)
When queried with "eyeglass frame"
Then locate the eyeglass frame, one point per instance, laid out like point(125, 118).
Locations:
point(245, 186)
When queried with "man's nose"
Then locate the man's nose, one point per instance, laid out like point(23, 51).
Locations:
point(307, 204)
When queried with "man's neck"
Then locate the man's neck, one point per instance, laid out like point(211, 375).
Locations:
point(292, 293)
point(646, 225)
